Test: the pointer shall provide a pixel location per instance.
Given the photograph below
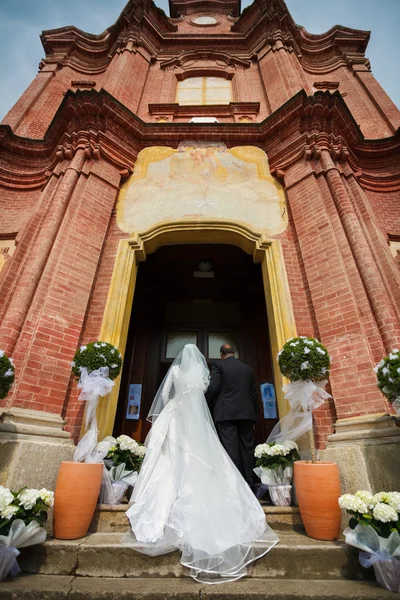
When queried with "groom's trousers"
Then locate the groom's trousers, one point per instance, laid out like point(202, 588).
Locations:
point(237, 437)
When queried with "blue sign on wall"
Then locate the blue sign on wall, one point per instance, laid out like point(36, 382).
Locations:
point(269, 400)
point(133, 406)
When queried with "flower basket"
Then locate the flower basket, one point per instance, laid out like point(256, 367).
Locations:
point(281, 495)
point(275, 469)
point(22, 516)
point(123, 458)
point(374, 528)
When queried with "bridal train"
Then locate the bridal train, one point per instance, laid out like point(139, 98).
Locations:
point(189, 494)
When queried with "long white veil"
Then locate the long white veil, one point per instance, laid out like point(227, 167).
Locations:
point(189, 494)
point(193, 372)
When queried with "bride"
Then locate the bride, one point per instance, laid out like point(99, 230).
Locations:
point(189, 494)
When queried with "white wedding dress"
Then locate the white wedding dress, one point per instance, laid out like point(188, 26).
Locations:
point(189, 494)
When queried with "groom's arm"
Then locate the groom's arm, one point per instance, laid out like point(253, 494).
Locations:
point(215, 383)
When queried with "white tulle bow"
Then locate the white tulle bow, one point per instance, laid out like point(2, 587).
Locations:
point(93, 385)
point(303, 397)
point(20, 536)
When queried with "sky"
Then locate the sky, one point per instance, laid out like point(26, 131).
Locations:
point(21, 22)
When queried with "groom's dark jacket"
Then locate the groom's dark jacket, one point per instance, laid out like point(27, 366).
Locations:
point(232, 391)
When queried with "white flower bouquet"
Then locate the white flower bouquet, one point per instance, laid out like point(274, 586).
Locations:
point(123, 460)
point(274, 466)
point(374, 528)
point(306, 363)
point(388, 376)
point(96, 365)
point(22, 517)
point(7, 374)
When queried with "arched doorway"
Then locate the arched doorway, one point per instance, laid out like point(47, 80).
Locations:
point(265, 251)
point(202, 294)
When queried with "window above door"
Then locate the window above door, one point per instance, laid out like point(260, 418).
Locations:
point(204, 91)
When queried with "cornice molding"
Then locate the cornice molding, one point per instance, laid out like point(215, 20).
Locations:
point(219, 58)
point(264, 24)
point(98, 123)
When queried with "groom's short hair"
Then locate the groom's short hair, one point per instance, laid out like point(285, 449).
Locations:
point(227, 349)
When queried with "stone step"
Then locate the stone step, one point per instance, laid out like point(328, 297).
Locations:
point(109, 518)
point(51, 587)
point(102, 555)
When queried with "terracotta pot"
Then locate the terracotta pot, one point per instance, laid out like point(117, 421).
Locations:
point(75, 499)
point(318, 491)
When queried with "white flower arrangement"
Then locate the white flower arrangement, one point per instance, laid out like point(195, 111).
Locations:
point(374, 528)
point(380, 511)
point(125, 450)
point(27, 505)
point(273, 456)
point(304, 359)
point(7, 374)
point(96, 355)
point(22, 516)
point(388, 377)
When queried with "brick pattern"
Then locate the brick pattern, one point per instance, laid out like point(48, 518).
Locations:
point(344, 283)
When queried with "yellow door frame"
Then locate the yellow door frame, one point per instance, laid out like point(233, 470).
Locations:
point(132, 251)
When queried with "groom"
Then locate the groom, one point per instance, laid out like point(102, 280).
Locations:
point(233, 397)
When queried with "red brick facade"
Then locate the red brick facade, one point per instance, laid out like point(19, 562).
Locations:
point(310, 101)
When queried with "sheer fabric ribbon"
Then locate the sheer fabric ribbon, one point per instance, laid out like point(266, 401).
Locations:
point(93, 385)
point(303, 397)
point(20, 536)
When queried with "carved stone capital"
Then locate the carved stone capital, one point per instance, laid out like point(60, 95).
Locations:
point(336, 148)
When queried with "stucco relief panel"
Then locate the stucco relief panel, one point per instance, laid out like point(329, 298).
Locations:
point(204, 182)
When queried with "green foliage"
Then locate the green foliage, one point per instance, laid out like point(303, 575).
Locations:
point(38, 512)
point(7, 374)
point(275, 455)
point(95, 355)
point(274, 462)
point(125, 450)
point(119, 457)
point(382, 529)
point(388, 375)
point(304, 359)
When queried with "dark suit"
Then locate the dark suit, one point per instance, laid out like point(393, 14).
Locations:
point(232, 397)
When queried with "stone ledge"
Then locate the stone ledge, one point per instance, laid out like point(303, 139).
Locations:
point(109, 518)
point(33, 425)
point(103, 555)
point(41, 587)
point(366, 429)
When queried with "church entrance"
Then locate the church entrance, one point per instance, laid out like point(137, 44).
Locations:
point(200, 294)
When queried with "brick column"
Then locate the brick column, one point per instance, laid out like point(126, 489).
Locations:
point(53, 326)
point(36, 260)
point(14, 116)
point(329, 275)
point(127, 74)
point(379, 300)
point(387, 110)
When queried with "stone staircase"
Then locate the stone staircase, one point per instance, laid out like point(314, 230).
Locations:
point(98, 567)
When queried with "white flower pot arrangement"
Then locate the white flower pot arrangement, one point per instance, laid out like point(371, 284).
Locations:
point(274, 466)
point(374, 528)
point(123, 460)
point(306, 363)
point(96, 365)
point(22, 517)
point(7, 374)
point(388, 376)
